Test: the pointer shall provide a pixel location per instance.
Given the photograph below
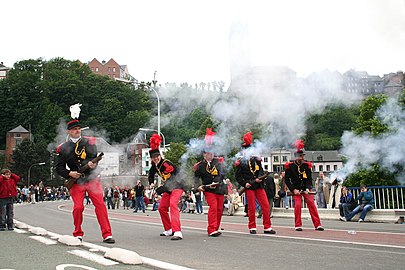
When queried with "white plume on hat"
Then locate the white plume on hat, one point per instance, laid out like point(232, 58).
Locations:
point(75, 110)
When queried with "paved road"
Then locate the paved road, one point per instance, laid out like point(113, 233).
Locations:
point(21, 250)
point(373, 246)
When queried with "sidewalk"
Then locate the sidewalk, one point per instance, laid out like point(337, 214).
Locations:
point(376, 215)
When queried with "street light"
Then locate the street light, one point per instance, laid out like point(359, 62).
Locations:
point(29, 170)
point(161, 134)
point(158, 101)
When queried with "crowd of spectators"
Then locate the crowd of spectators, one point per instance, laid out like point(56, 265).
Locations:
point(39, 193)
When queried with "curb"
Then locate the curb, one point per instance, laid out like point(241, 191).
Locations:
point(117, 254)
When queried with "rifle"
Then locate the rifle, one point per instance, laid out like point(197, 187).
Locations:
point(213, 184)
point(71, 181)
point(243, 189)
point(289, 193)
point(162, 189)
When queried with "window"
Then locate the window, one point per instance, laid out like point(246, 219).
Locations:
point(320, 158)
point(113, 69)
point(328, 168)
point(285, 158)
point(96, 69)
point(335, 167)
point(109, 69)
point(275, 158)
point(146, 163)
point(265, 159)
point(266, 167)
point(321, 168)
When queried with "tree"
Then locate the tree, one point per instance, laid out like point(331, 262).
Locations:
point(175, 153)
point(44, 90)
point(324, 130)
point(368, 121)
point(374, 176)
point(26, 154)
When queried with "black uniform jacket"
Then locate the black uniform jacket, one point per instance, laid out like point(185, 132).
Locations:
point(247, 170)
point(298, 176)
point(168, 172)
point(210, 172)
point(76, 155)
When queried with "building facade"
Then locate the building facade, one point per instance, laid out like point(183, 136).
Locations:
point(322, 161)
point(111, 69)
point(13, 138)
point(3, 71)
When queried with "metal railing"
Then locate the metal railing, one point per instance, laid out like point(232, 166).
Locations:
point(385, 197)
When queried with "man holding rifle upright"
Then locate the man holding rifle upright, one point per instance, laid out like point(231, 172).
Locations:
point(298, 178)
point(73, 155)
point(249, 174)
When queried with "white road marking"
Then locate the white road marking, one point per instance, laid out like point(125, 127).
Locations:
point(44, 240)
point(163, 265)
point(92, 257)
point(18, 231)
point(63, 266)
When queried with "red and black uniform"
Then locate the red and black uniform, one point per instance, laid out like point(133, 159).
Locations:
point(72, 156)
point(172, 190)
point(212, 172)
point(247, 170)
point(299, 177)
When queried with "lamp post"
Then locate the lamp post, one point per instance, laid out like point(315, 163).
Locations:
point(29, 170)
point(158, 101)
point(161, 134)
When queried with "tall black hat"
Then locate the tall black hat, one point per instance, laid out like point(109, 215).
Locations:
point(155, 141)
point(73, 123)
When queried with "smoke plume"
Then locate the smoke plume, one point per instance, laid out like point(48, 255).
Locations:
point(387, 149)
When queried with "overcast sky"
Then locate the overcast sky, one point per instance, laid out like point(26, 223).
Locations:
point(185, 40)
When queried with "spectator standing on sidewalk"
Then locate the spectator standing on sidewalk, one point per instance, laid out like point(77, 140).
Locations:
point(139, 192)
point(8, 190)
point(322, 190)
point(269, 187)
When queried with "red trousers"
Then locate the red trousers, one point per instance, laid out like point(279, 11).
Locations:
point(95, 191)
point(261, 197)
point(216, 206)
point(170, 201)
point(313, 211)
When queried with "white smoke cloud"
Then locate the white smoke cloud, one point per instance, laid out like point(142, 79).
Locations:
point(388, 149)
point(280, 104)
